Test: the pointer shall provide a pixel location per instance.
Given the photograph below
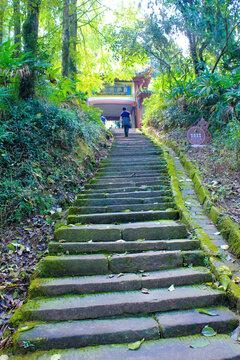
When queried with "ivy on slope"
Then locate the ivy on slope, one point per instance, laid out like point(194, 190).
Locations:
point(45, 154)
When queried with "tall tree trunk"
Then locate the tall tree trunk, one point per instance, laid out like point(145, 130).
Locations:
point(65, 39)
point(193, 52)
point(73, 23)
point(3, 5)
point(17, 23)
point(30, 37)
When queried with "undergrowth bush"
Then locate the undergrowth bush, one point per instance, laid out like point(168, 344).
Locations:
point(40, 157)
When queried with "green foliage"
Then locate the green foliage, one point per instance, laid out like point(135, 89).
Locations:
point(39, 159)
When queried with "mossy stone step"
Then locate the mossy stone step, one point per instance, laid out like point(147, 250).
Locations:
point(106, 305)
point(115, 201)
point(122, 163)
point(151, 230)
point(135, 192)
point(132, 167)
point(119, 217)
point(126, 184)
point(116, 208)
point(126, 282)
point(103, 172)
point(190, 322)
point(67, 265)
point(74, 334)
point(84, 333)
point(126, 179)
point(74, 248)
point(134, 174)
point(154, 260)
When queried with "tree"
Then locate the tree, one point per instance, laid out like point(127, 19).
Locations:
point(3, 6)
point(30, 38)
point(17, 23)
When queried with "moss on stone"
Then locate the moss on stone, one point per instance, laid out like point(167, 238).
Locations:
point(197, 180)
point(205, 241)
point(35, 289)
point(73, 210)
point(215, 214)
point(202, 194)
point(233, 292)
point(234, 240)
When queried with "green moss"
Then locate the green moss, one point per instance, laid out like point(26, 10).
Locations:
point(201, 193)
point(215, 214)
point(19, 317)
point(234, 240)
point(205, 242)
point(197, 180)
point(35, 289)
point(233, 292)
point(73, 210)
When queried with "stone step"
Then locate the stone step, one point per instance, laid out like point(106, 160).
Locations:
point(77, 334)
point(116, 153)
point(123, 201)
point(117, 208)
point(106, 305)
point(122, 217)
point(219, 347)
point(127, 179)
point(126, 184)
point(125, 282)
point(190, 322)
point(134, 174)
point(121, 246)
point(104, 169)
point(74, 334)
point(152, 230)
point(143, 191)
point(132, 167)
point(79, 265)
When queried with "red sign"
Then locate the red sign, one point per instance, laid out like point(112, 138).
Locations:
point(196, 135)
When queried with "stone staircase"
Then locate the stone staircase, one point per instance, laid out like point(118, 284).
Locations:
point(109, 274)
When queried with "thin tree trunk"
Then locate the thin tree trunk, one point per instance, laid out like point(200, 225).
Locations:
point(17, 23)
point(73, 24)
point(65, 39)
point(30, 37)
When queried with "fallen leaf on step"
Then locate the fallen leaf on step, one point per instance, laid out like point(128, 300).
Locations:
point(119, 275)
point(208, 331)
point(217, 233)
point(145, 274)
point(56, 357)
point(90, 241)
point(120, 241)
point(171, 288)
point(207, 312)
point(234, 260)
point(199, 344)
point(136, 345)
point(236, 280)
point(25, 328)
point(224, 247)
point(145, 291)
point(111, 276)
point(62, 241)
point(141, 271)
